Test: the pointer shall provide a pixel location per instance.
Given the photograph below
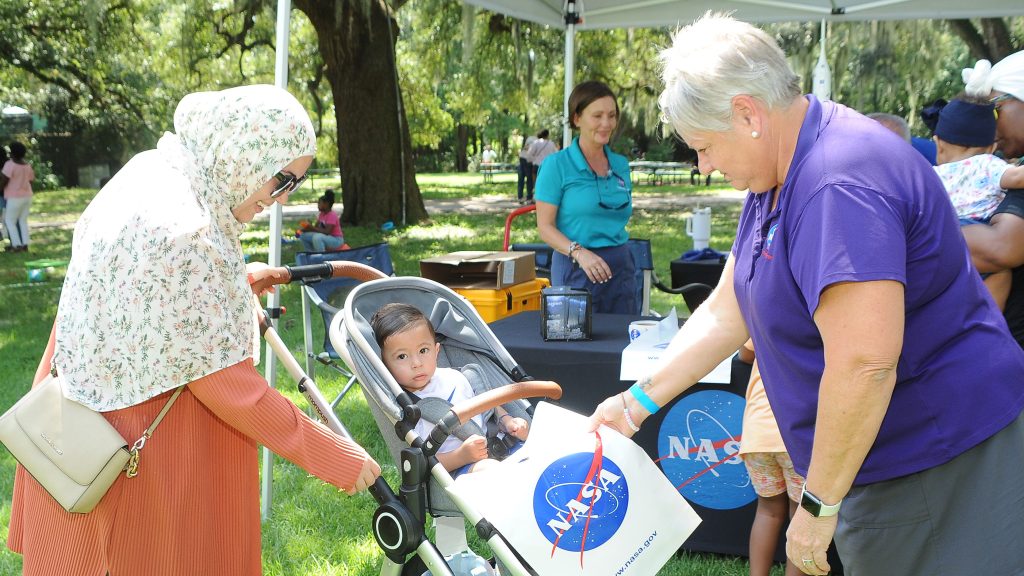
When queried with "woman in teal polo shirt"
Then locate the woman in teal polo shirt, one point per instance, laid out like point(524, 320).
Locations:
point(584, 201)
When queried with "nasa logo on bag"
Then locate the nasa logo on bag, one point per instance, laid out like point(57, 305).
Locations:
point(579, 503)
point(699, 444)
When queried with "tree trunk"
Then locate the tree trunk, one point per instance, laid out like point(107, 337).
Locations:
point(992, 42)
point(461, 142)
point(357, 43)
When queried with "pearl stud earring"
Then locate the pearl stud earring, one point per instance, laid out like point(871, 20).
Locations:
point(755, 134)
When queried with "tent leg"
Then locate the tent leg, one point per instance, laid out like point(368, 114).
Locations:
point(572, 18)
point(284, 14)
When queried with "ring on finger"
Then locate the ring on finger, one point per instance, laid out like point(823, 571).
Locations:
point(808, 561)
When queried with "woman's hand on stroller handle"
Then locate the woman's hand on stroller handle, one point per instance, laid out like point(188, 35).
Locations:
point(367, 476)
point(314, 272)
point(262, 277)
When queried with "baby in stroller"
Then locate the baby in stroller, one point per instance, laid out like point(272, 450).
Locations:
point(409, 350)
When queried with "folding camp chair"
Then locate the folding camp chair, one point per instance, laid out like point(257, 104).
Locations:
point(693, 293)
point(541, 251)
point(329, 296)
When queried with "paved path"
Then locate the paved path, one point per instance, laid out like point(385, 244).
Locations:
point(490, 204)
point(501, 204)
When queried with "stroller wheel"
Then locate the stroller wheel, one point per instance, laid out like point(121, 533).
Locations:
point(396, 530)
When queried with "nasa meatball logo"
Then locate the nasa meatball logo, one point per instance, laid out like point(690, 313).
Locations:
point(580, 501)
point(769, 239)
point(699, 444)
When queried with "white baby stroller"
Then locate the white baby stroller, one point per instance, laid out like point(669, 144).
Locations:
point(467, 344)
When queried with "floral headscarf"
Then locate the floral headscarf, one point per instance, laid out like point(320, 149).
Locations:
point(156, 293)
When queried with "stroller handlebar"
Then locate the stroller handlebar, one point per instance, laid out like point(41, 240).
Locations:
point(507, 393)
point(316, 272)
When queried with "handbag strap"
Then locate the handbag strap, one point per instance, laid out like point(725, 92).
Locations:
point(131, 469)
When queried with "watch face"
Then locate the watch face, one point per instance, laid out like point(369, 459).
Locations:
point(816, 507)
point(811, 504)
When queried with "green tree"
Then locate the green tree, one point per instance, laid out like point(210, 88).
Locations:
point(78, 63)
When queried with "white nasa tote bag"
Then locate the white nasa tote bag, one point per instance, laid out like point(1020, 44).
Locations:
point(572, 502)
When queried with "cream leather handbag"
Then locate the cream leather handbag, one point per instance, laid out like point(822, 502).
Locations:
point(71, 450)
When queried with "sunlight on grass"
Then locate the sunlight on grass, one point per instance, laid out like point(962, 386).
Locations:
point(439, 232)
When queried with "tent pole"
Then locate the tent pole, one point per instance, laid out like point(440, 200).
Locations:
point(284, 9)
point(822, 75)
point(572, 18)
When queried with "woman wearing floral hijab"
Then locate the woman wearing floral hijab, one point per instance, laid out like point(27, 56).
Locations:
point(157, 296)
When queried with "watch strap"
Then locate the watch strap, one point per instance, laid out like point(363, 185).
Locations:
point(815, 506)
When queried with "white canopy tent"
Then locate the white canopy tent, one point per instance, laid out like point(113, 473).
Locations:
point(654, 13)
point(596, 14)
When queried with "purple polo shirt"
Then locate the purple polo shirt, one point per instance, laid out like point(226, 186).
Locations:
point(859, 205)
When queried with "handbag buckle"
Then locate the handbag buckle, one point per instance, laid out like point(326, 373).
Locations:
point(131, 469)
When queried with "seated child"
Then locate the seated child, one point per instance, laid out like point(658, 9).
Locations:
point(326, 234)
point(409, 348)
point(975, 179)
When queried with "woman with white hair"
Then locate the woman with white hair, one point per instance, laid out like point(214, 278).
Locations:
point(157, 298)
point(895, 382)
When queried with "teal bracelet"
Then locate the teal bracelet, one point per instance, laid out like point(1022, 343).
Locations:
point(643, 399)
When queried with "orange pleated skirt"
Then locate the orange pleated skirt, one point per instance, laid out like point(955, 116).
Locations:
point(194, 507)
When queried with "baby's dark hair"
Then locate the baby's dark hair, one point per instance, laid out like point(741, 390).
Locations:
point(543, 134)
point(972, 99)
point(18, 150)
point(395, 317)
point(328, 197)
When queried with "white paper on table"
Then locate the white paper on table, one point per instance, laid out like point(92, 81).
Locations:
point(565, 515)
point(643, 355)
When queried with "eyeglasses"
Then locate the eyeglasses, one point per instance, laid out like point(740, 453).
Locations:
point(600, 197)
point(1000, 99)
point(286, 183)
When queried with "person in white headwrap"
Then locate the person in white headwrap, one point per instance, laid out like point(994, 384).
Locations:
point(157, 296)
point(1003, 83)
point(1000, 244)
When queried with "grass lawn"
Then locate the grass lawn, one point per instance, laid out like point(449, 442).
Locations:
point(313, 529)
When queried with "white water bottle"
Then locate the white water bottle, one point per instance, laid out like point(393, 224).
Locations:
point(698, 227)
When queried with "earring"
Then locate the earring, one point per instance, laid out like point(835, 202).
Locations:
point(755, 134)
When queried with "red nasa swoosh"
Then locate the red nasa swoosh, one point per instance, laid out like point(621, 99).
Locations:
point(716, 446)
point(592, 474)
